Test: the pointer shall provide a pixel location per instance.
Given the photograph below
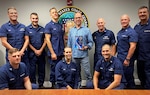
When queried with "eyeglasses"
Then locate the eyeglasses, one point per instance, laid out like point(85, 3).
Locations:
point(78, 17)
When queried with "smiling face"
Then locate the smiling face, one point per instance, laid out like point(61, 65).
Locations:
point(68, 53)
point(143, 13)
point(101, 24)
point(34, 19)
point(125, 21)
point(12, 14)
point(106, 52)
point(54, 14)
point(78, 19)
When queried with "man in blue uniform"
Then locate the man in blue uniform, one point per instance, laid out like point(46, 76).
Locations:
point(66, 71)
point(80, 48)
point(127, 40)
point(100, 37)
point(143, 47)
point(108, 71)
point(36, 49)
point(13, 35)
point(54, 35)
point(14, 74)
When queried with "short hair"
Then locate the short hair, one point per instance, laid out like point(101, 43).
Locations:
point(13, 50)
point(67, 47)
point(52, 9)
point(106, 44)
point(11, 8)
point(143, 7)
point(34, 14)
point(78, 13)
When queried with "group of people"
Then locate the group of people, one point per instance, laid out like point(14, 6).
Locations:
point(113, 62)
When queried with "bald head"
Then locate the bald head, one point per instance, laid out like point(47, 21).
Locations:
point(106, 52)
point(124, 21)
point(101, 24)
point(101, 20)
point(106, 46)
point(125, 16)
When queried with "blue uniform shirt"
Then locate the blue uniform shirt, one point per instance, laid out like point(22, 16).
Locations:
point(78, 38)
point(12, 78)
point(124, 37)
point(57, 37)
point(14, 33)
point(101, 38)
point(36, 36)
point(107, 71)
point(143, 41)
point(66, 74)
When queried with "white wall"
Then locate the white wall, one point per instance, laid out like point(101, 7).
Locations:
point(110, 10)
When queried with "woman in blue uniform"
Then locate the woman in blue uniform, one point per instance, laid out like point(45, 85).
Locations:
point(66, 71)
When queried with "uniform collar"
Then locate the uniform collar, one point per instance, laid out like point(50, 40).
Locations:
point(109, 62)
point(80, 26)
point(64, 61)
point(10, 24)
point(103, 31)
point(31, 27)
point(54, 22)
point(125, 29)
point(10, 67)
point(148, 22)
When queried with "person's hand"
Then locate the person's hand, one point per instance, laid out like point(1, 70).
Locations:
point(126, 62)
point(69, 87)
point(38, 52)
point(53, 56)
point(84, 48)
point(21, 53)
point(97, 88)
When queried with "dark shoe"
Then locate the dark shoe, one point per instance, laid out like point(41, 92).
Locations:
point(41, 87)
point(53, 86)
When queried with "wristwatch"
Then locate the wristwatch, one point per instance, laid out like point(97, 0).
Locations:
point(127, 59)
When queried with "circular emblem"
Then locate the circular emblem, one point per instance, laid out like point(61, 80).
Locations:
point(66, 17)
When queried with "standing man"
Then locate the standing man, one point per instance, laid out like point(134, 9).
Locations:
point(143, 47)
point(14, 35)
point(80, 40)
point(108, 71)
point(54, 35)
point(102, 36)
point(14, 74)
point(36, 50)
point(127, 40)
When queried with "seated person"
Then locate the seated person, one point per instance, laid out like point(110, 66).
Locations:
point(66, 72)
point(14, 74)
point(108, 71)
